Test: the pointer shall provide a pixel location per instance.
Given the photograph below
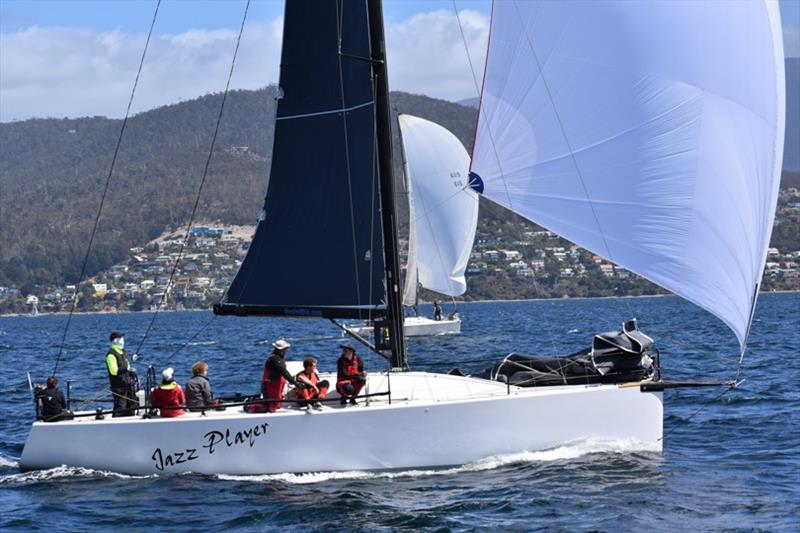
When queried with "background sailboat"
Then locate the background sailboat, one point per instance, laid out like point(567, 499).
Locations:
point(443, 216)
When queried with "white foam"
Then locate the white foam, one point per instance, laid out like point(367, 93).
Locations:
point(8, 462)
point(39, 476)
point(570, 451)
point(202, 343)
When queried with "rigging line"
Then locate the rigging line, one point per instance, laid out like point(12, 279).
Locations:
point(372, 210)
point(536, 288)
point(339, 16)
point(193, 337)
point(466, 48)
point(702, 408)
point(105, 190)
point(202, 181)
point(753, 301)
point(566, 139)
point(480, 106)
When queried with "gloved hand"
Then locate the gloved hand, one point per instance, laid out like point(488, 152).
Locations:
point(361, 378)
point(132, 369)
point(135, 357)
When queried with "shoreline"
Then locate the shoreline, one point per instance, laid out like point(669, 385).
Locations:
point(461, 302)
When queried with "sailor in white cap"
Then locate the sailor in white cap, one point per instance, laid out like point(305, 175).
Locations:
point(168, 396)
point(276, 375)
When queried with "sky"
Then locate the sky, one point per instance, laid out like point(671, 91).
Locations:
point(71, 58)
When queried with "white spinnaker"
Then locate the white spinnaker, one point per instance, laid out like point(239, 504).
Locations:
point(444, 209)
point(648, 132)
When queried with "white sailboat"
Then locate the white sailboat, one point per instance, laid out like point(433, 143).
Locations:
point(618, 125)
point(443, 216)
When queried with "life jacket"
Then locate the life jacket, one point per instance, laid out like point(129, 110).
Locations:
point(117, 366)
point(350, 369)
point(313, 378)
point(269, 374)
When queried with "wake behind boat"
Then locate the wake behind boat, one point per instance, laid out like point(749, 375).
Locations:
point(614, 124)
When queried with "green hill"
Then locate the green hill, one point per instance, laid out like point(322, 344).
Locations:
point(53, 172)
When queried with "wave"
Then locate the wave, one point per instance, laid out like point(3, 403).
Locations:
point(202, 343)
point(8, 462)
point(61, 472)
point(566, 452)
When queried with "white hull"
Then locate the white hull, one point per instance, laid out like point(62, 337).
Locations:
point(419, 326)
point(470, 419)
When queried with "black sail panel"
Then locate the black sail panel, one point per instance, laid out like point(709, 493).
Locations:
point(318, 246)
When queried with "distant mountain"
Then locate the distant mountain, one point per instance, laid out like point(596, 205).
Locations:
point(53, 171)
point(791, 147)
point(470, 102)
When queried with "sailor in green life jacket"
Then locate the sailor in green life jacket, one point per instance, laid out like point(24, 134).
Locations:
point(122, 376)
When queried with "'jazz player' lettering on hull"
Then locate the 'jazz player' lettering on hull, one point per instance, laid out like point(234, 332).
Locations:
point(214, 441)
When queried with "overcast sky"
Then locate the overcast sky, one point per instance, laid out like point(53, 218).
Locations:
point(79, 58)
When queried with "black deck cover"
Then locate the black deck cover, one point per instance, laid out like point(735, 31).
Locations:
point(615, 357)
point(318, 249)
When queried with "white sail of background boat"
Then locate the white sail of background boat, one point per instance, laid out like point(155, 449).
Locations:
point(443, 216)
point(648, 132)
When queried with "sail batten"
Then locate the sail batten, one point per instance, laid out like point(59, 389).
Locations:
point(642, 134)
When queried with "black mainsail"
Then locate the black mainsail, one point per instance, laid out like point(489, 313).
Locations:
point(326, 244)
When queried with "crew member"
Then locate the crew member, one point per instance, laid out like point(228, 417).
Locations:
point(350, 374)
point(315, 389)
point(276, 375)
point(54, 405)
point(437, 311)
point(168, 394)
point(198, 389)
point(122, 376)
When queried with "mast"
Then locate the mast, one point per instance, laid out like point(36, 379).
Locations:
point(394, 304)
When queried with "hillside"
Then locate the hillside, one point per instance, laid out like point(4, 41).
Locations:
point(52, 174)
point(54, 170)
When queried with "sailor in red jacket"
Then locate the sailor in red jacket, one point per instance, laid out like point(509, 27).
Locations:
point(168, 394)
point(276, 375)
point(350, 374)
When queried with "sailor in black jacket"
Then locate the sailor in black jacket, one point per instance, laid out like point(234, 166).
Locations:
point(54, 405)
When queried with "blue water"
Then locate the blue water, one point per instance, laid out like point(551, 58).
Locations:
point(730, 461)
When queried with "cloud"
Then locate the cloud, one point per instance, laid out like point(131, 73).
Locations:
point(427, 54)
point(70, 72)
point(791, 41)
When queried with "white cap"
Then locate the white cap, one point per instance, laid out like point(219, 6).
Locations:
point(167, 373)
point(280, 344)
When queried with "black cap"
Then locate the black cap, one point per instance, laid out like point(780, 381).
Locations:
point(116, 335)
point(347, 345)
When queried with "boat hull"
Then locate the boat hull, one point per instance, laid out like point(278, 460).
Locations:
point(418, 326)
point(404, 434)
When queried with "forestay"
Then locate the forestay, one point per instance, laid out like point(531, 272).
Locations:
point(650, 133)
point(443, 208)
point(318, 247)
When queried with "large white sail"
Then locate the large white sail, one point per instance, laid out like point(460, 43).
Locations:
point(443, 208)
point(648, 132)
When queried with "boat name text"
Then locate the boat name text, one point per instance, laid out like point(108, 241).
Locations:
point(214, 440)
